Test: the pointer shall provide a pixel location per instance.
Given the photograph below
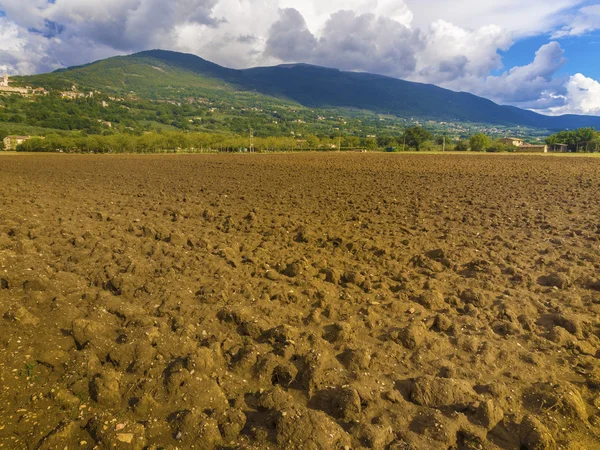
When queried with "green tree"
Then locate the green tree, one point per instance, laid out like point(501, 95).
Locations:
point(350, 141)
point(575, 139)
point(385, 141)
point(312, 141)
point(480, 142)
point(369, 143)
point(416, 136)
point(499, 146)
point(461, 146)
point(585, 134)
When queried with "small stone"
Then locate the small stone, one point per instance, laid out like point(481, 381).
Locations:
point(271, 275)
point(177, 239)
point(125, 437)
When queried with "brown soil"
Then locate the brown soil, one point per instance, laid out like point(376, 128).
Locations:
point(299, 302)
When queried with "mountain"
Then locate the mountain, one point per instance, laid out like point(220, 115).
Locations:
point(160, 74)
point(320, 87)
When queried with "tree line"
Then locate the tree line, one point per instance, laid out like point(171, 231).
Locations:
point(413, 138)
point(582, 139)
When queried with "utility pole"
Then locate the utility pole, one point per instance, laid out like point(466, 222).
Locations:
point(251, 140)
point(444, 144)
point(339, 140)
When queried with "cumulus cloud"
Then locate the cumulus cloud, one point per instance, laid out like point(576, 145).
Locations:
point(74, 31)
point(238, 40)
point(368, 42)
point(120, 24)
point(451, 52)
point(523, 84)
point(582, 96)
point(11, 44)
point(290, 39)
point(349, 41)
point(317, 12)
point(24, 53)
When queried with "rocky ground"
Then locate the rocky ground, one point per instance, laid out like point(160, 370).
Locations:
point(299, 301)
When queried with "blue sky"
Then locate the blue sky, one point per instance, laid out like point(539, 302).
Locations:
point(582, 53)
point(536, 54)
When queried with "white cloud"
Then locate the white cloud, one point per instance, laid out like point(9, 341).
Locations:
point(587, 20)
point(238, 40)
point(582, 96)
point(348, 41)
point(21, 52)
point(120, 24)
point(521, 18)
point(451, 52)
point(523, 84)
point(317, 12)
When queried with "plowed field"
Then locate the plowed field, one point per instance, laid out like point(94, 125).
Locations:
point(299, 301)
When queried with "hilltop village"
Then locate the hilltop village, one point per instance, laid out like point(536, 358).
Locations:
point(7, 89)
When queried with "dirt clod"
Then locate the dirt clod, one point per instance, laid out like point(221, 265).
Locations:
point(535, 436)
point(439, 392)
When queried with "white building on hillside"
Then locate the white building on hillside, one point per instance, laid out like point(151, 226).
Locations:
point(5, 88)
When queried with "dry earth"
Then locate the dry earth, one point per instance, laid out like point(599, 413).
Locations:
point(299, 301)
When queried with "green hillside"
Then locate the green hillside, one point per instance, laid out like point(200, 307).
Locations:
point(160, 90)
point(140, 76)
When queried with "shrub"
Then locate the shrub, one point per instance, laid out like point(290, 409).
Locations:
point(497, 147)
point(461, 146)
